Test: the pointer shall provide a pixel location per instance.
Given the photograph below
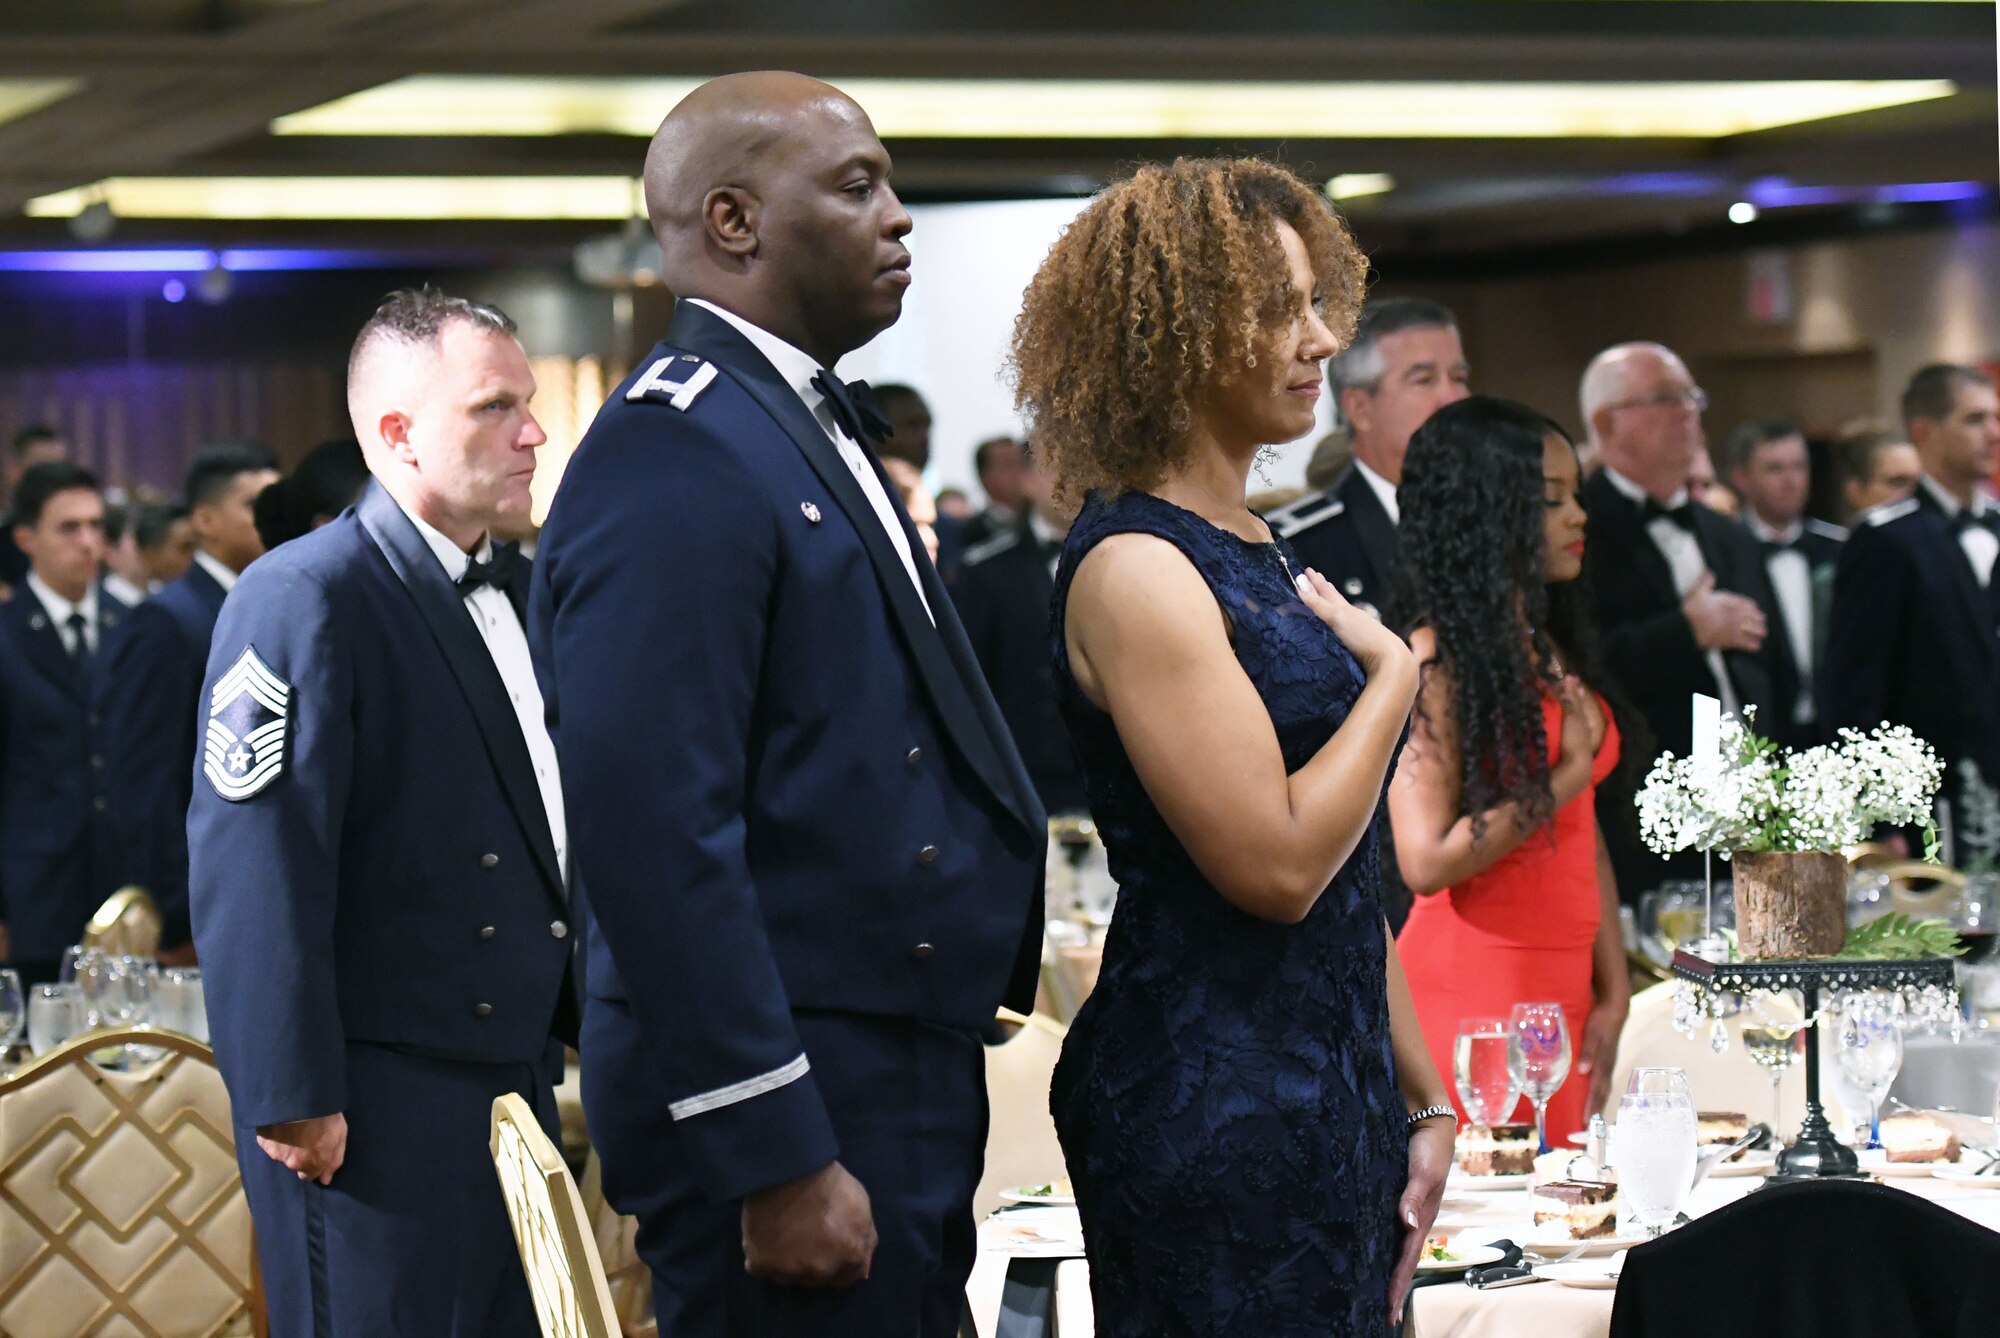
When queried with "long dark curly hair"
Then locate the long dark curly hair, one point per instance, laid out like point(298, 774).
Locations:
point(1469, 545)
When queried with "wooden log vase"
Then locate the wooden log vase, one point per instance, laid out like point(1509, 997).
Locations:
point(1790, 903)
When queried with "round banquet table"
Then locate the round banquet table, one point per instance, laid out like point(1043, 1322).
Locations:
point(1552, 1310)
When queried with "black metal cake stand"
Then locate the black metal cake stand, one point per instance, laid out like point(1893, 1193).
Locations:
point(1817, 1154)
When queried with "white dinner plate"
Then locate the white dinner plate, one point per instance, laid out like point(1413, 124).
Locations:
point(1026, 1194)
point(1877, 1162)
point(1558, 1246)
point(1485, 1184)
point(1469, 1256)
point(1964, 1175)
point(1595, 1274)
point(1751, 1163)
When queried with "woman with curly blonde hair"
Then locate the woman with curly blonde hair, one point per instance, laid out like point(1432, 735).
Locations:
point(1255, 1130)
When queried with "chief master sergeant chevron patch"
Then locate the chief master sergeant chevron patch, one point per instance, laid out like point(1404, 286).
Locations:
point(248, 713)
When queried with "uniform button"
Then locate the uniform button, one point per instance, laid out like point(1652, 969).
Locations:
point(921, 951)
point(559, 930)
point(914, 756)
point(100, 803)
point(489, 861)
point(482, 1010)
point(928, 855)
point(95, 721)
point(486, 932)
point(97, 764)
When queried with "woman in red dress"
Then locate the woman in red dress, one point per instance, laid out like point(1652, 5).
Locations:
point(1495, 831)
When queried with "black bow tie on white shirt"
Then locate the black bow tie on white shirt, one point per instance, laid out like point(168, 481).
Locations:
point(854, 407)
point(1682, 515)
point(1967, 519)
point(500, 572)
point(1772, 547)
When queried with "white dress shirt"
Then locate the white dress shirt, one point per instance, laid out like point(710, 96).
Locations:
point(1683, 554)
point(493, 614)
point(1981, 545)
point(213, 566)
point(124, 591)
point(798, 368)
point(60, 609)
point(1791, 581)
point(1385, 492)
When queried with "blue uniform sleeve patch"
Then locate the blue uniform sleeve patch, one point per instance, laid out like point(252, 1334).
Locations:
point(249, 710)
point(674, 380)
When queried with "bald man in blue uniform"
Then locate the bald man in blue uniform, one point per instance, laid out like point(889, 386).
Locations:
point(811, 853)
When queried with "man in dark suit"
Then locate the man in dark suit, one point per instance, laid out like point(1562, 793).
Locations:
point(1000, 463)
point(1003, 594)
point(378, 855)
point(1771, 471)
point(1406, 363)
point(150, 692)
point(811, 853)
point(56, 846)
point(1681, 598)
point(1912, 634)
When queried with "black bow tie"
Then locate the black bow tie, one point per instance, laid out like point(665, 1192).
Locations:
point(500, 572)
point(1772, 547)
point(1682, 515)
point(1967, 519)
point(854, 407)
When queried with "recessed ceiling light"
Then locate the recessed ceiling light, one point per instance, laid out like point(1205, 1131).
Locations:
point(1743, 212)
point(1135, 109)
point(1354, 185)
point(348, 197)
point(18, 97)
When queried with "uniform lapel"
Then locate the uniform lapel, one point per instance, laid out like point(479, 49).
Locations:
point(471, 663)
point(42, 643)
point(1371, 524)
point(1616, 518)
point(942, 655)
point(1976, 603)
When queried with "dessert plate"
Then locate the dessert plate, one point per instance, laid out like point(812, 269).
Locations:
point(1595, 1274)
point(1557, 1246)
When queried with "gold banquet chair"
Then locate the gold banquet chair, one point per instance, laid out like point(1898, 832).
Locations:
point(126, 925)
point(1906, 898)
point(121, 1207)
point(565, 1275)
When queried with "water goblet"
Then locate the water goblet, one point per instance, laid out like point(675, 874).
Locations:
point(1486, 1087)
point(179, 1003)
point(13, 1013)
point(1654, 1146)
point(55, 1014)
point(1774, 1048)
point(1871, 1053)
point(1538, 1058)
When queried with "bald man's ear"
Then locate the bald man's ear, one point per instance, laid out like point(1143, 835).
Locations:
point(729, 215)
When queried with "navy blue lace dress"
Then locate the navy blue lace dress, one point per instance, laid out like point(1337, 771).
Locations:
point(1227, 1098)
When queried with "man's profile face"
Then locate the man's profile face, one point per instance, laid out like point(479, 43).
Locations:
point(1423, 369)
point(1967, 440)
point(471, 429)
point(831, 221)
point(227, 525)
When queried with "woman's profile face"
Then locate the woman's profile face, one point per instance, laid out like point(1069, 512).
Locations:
point(1562, 513)
point(1274, 400)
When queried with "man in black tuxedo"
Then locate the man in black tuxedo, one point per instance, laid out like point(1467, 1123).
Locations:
point(1682, 601)
point(1911, 637)
point(1772, 472)
point(1406, 363)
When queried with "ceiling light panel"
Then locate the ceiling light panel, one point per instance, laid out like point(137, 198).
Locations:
point(18, 97)
point(1136, 109)
point(349, 198)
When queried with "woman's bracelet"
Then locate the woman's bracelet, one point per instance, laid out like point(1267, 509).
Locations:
point(1438, 1112)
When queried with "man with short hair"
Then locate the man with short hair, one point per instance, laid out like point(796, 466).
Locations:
point(1911, 636)
point(811, 853)
point(379, 872)
point(1681, 597)
point(909, 423)
point(35, 444)
point(56, 844)
point(165, 537)
point(998, 463)
point(150, 692)
point(1406, 363)
point(1772, 472)
point(1878, 465)
point(124, 565)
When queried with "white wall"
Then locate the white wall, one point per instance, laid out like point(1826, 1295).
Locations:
point(969, 265)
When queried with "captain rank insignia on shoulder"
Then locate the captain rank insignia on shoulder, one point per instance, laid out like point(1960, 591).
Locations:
point(676, 379)
point(249, 711)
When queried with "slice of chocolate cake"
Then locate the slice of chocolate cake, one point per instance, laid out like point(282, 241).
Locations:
point(1576, 1209)
point(1505, 1149)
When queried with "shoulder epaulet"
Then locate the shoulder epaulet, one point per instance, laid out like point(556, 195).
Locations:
point(1889, 511)
point(990, 548)
point(675, 379)
point(1303, 514)
point(1825, 529)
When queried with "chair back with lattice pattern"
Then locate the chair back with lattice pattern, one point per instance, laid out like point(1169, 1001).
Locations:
point(121, 1207)
point(126, 925)
point(565, 1275)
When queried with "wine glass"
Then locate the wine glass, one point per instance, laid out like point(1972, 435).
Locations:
point(1774, 1048)
point(1479, 1062)
point(1655, 1146)
point(179, 1003)
point(55, 1014)
point(1538, 1058)
point(1871, 1053)
point(13, 1013)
